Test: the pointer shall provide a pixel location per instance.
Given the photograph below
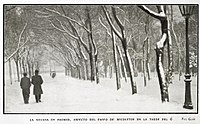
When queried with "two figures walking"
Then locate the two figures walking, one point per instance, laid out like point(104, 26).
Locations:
point(37, 89)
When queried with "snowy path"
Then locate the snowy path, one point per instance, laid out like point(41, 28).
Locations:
point(67, 95)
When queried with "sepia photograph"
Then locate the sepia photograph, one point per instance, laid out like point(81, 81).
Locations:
point(100, 59)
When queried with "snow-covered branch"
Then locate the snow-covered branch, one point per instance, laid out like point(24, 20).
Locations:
point(55, 58)
point(122, 60)
point(75, 61)
point(16, 50)
point(152, 13)
point(130, 38)
point(20, 36)
point(69, 48)
point(67, 60)
point(75, 50)
point(64, 55)
point(9, 9)
point(79, 37)
point(71, 35)
point(117, 7)
point(104, 27)
point(44, 13)
point(145, 39)
point(83, 43)
point(117, 19)
point(63, 30)
point(73, 20)
point(71, 51)
point(64, 48)
point(160, 44)
point(110, 23)
point(18, 46)
point(83, 54)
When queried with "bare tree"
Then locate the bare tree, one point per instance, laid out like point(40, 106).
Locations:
point(166, 38)
point(122, 37)
point(115, 60)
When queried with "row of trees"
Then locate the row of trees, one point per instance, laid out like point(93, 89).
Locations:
point(17, 36)
point(88, 39)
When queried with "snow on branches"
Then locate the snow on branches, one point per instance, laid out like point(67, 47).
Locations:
point(160, 44)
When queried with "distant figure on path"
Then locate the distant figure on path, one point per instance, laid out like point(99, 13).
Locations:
point(25, 85)
point(37, 89)
point(53, 74)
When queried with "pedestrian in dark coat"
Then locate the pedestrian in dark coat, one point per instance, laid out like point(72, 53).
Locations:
point(25, 85)
point(37, 89)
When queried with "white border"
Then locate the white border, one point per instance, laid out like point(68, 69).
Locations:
point(25, 118)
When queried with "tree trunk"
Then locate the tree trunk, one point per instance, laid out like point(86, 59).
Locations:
point(78, 72)
point(115, 60)
point(147, 69)
point(120, 68)
point(87, 69)
point(16, 60)
point(161, 75)
point(160, 52)
point(130, 67)
point(176, 41)
point(10, 71)
point(170, 53)
point(164, 81)
point(28, 63)
point(135, 68)
point(110, 69)
point(147, 61)
point(70, 70)
point(83, 69)
point(66, 71)
point(92, 78)
point(23, 66)
point(97, 69)
point(91, 43)
point(20, 68)
point(144, 61)
point(84, 77)
point(29, 69)
point(72, 73)
point(123, 63)
point(17, 68)
point(81, 72)
point(32, 68)
point(124, 44)
point(105, 68)
point(180, 69)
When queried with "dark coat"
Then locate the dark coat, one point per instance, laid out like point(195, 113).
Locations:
point(25, 83)
point(37, 82)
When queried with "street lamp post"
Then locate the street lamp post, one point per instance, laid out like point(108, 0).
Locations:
point(186, 11)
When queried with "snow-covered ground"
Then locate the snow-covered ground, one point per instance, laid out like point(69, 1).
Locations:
point(68, 95)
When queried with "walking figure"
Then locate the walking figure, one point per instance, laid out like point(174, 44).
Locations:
point(37, 89)
point(25, 85)
point(53, 74)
